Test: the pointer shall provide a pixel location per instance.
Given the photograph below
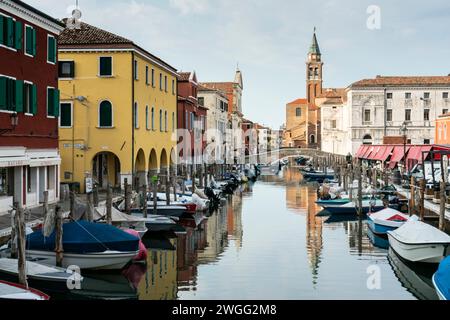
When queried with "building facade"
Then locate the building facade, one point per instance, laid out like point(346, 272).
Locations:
point(295, 135)
point(442, 130)
point(378, 108)
point(118, 109)
point(29, 106)
point(192, 117)
point(216, 104)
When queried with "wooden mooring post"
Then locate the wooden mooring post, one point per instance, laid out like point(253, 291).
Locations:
point(21, 244)
point(109, 204)
point(155, 194)
point(59, 250)
point(422, 199)
point(442, 206)
point(127, 197)
point(45, 204)
point(14, 231)
point(95, 195)
point(167, 184)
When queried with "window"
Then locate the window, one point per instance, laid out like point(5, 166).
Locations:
point(298, 112)
point(66, 69)
point(201, 101)
point(366, 115)
point(426, 95)
point(52, 102)
point(165, 83)
point(11, 32)
point(389, 115)
point(389, 95)
point(333, 124)
point(192, 124)
point(153, 118)
point(105, 115)
point(135, 70)
point(408, 115)
point(105, 67)
point(65, 118)
point(312, 139)
point(30, 41)
point(445, 95)
point(408, 95)
point(6, 182)
point(426, 114)
point(136, 115)
point(186, 120)
point(426, 141)
point(147, 123)
point(29, 98)
point(160, 121)
point(146, 75)
point(18, 96)
point(153, 78)
point(160, 81)
point(444, 111)
point(165, 121)
point(173, 86)
point(173, 121)
point(51, 49)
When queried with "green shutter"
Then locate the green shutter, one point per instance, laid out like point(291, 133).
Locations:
point(19, 96)
point(33, 43)
point(2, 93)
point(11, 95)
point(51, 49)
point(19, 35)
point(2, 29)
point(10, 32)
point(29, 40)
point(56, 102)
point(34, 99)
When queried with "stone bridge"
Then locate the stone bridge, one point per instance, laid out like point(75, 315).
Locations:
point(285, 153)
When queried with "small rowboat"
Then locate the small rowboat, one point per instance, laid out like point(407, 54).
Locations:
point(386, 220)
point(13, 291)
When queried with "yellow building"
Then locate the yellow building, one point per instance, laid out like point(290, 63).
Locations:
point(118, 108)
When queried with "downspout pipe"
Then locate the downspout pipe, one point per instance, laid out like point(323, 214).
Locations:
point(133, 117)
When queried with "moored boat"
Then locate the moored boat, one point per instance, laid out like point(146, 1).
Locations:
point(441, 280)
point(417, 241)
point(386, 220)
point(14, 291)
point(351, 208)
point(332, 203)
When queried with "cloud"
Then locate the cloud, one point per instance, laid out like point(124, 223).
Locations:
point(190, 6)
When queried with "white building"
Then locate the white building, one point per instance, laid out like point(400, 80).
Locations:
point(217, 118)
point(378, 107)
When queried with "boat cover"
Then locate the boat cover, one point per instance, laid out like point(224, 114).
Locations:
point(116, 215)
point(417, 232)
point(442, 278)
point(389, 214)
point(85, 237)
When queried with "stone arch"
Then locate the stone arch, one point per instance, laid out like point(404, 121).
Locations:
point(106, 169)
point(153, 161)
point(164, 163)
point(367, 139)
point(140, 167)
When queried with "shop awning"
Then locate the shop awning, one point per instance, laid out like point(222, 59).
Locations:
point(367, 153)
point(397, 155)
point(362, 149)
point(375, 152)
point(384, 153)
point(415, 155)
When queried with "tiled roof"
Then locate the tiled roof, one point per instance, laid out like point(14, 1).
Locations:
point(332, 93)
point(89, 34)
point(223, 86)
point(381, 81)
point(299, 101)
point(184, 76)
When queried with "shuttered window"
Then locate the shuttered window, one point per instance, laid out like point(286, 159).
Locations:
point(30, 41)
point(11, 32)
point(52, 102)
point(105, 115)
point(18, 96)
point(51, 49)
point(105, 68)
point(18, 36)
point(65, 119)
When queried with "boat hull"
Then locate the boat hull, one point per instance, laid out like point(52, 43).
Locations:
point(352, 210)
point(108, 260)
point(161, 211)
point(438, 290)
point(331, 203)
point(379, 227)
point(51, 286)
point(426, 252)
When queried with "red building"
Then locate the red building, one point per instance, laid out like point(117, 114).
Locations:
point(29, 105)
point(191, 116)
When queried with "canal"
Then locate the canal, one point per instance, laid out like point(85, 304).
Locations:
point(268, 243)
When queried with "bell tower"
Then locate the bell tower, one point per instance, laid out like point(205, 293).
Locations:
point(314, 66)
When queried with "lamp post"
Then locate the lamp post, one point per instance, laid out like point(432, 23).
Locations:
point(404, 131)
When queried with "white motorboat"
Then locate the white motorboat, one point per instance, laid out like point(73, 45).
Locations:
point(13, 291)
point(419, 242)
point(122, 220)
point(106, 260)
point(39, 275)
point(156, 223)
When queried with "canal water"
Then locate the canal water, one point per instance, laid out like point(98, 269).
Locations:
point(268, 243)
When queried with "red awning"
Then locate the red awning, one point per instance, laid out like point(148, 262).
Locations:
point(397, 155)
point(415, 155)
point(367, 153)
point(376, 151)
point(362, 149)
point(384, 153)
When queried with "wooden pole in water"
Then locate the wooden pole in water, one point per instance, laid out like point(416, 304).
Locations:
point(72, 203)
point(14, 231)
point(109, 204)
point(95, 195)
point(155, 194)
point(360, 208)
point(20, 227)
point(166, 181)
point(174, 186)
point(200, 182)
point(127, 198)
point(90, 213)
point(144, 201)
point(45, 206)
point(412, 192)
point(422, 198)
point(59, 237)
point(442, 207)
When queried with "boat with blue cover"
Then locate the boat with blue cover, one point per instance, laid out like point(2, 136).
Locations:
point(350, 208)
point(441, 279)
point(87, 245)
point(386, 220)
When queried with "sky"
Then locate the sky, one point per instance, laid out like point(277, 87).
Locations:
point(269, 40)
